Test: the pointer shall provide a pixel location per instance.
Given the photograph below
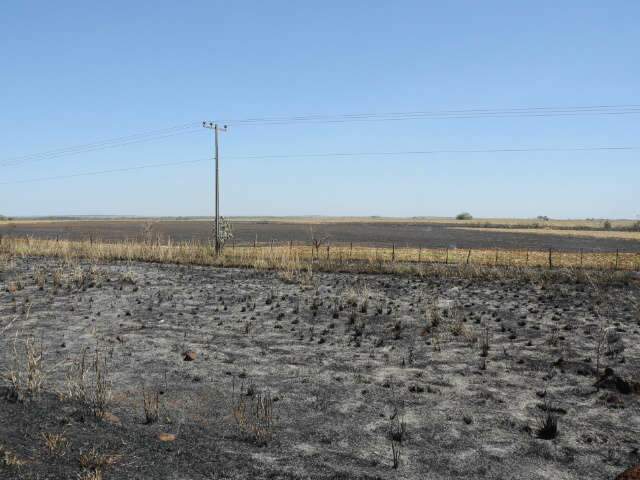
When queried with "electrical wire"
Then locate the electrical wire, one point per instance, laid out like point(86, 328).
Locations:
point(153, 135)
point(333, 154)
point(103, 144)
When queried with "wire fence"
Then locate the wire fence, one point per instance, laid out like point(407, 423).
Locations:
point(350, 252)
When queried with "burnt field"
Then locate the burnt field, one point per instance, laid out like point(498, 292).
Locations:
point(404, 234)
point(133, 370)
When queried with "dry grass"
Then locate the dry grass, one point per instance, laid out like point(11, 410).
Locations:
point(9, 458)
point(88, 383)
point(55, 443)
point(253, 414)
point(151, 405)
point(565, 232)
point(293, 260)
point(94, 463)
point(26, 374)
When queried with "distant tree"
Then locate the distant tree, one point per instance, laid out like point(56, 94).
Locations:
point(607, 225)
point(464, 216)
point(544, 218)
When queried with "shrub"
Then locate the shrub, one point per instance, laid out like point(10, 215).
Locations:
point(607, 225)
point(464, 216)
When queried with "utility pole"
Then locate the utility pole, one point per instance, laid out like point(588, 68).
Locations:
point(216, 128)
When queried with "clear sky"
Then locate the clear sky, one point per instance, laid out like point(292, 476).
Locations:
point(75, 72)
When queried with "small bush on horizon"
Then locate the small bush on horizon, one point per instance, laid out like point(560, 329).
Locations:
point(464, 216)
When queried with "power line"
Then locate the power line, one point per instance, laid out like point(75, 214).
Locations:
point(102, 172)
point(334, 154)
point(141, 137)
point(153, 135)
point(445, 114)
point(433, 152)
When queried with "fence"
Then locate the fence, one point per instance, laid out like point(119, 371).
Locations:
point(343, 253)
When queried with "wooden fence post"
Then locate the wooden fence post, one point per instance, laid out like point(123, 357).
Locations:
point(468, 256)
point(617, 258)
point(581, 257)
point(526, 261)
point(350, 249)
point(419, 254)
point(446, 258)
point(327, 251)
point(550, 261)
point(496, 264)
point(393, 252)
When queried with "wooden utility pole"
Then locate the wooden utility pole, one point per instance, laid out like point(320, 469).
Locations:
point(216, 128)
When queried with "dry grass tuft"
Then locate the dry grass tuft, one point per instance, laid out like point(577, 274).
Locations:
point(9, 458)
point(253, 414)
point(88, 383)
point(151, 405)
point(26, 375)
point(94, 463)
point(55, 443)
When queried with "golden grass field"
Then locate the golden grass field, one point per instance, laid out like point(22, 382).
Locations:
point(562, 232)
point(293, 257)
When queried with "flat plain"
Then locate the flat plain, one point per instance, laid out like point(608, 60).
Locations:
point(401, 233)
point(146, 370)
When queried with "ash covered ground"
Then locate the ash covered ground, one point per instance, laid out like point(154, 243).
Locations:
point(324, 376)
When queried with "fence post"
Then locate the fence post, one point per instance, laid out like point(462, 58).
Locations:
point(617, 258)
point(550, 261)
point(327, 251)
point(350, 250)
point(496, 264)
point(581, 257)
point(290, 246)
point(468, 256)
point(526, 261)
point(446, 258)
point(393, 252)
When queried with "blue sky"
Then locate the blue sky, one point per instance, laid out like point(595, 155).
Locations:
point(75, 72)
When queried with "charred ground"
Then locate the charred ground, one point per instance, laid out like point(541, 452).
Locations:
point(458, 376)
